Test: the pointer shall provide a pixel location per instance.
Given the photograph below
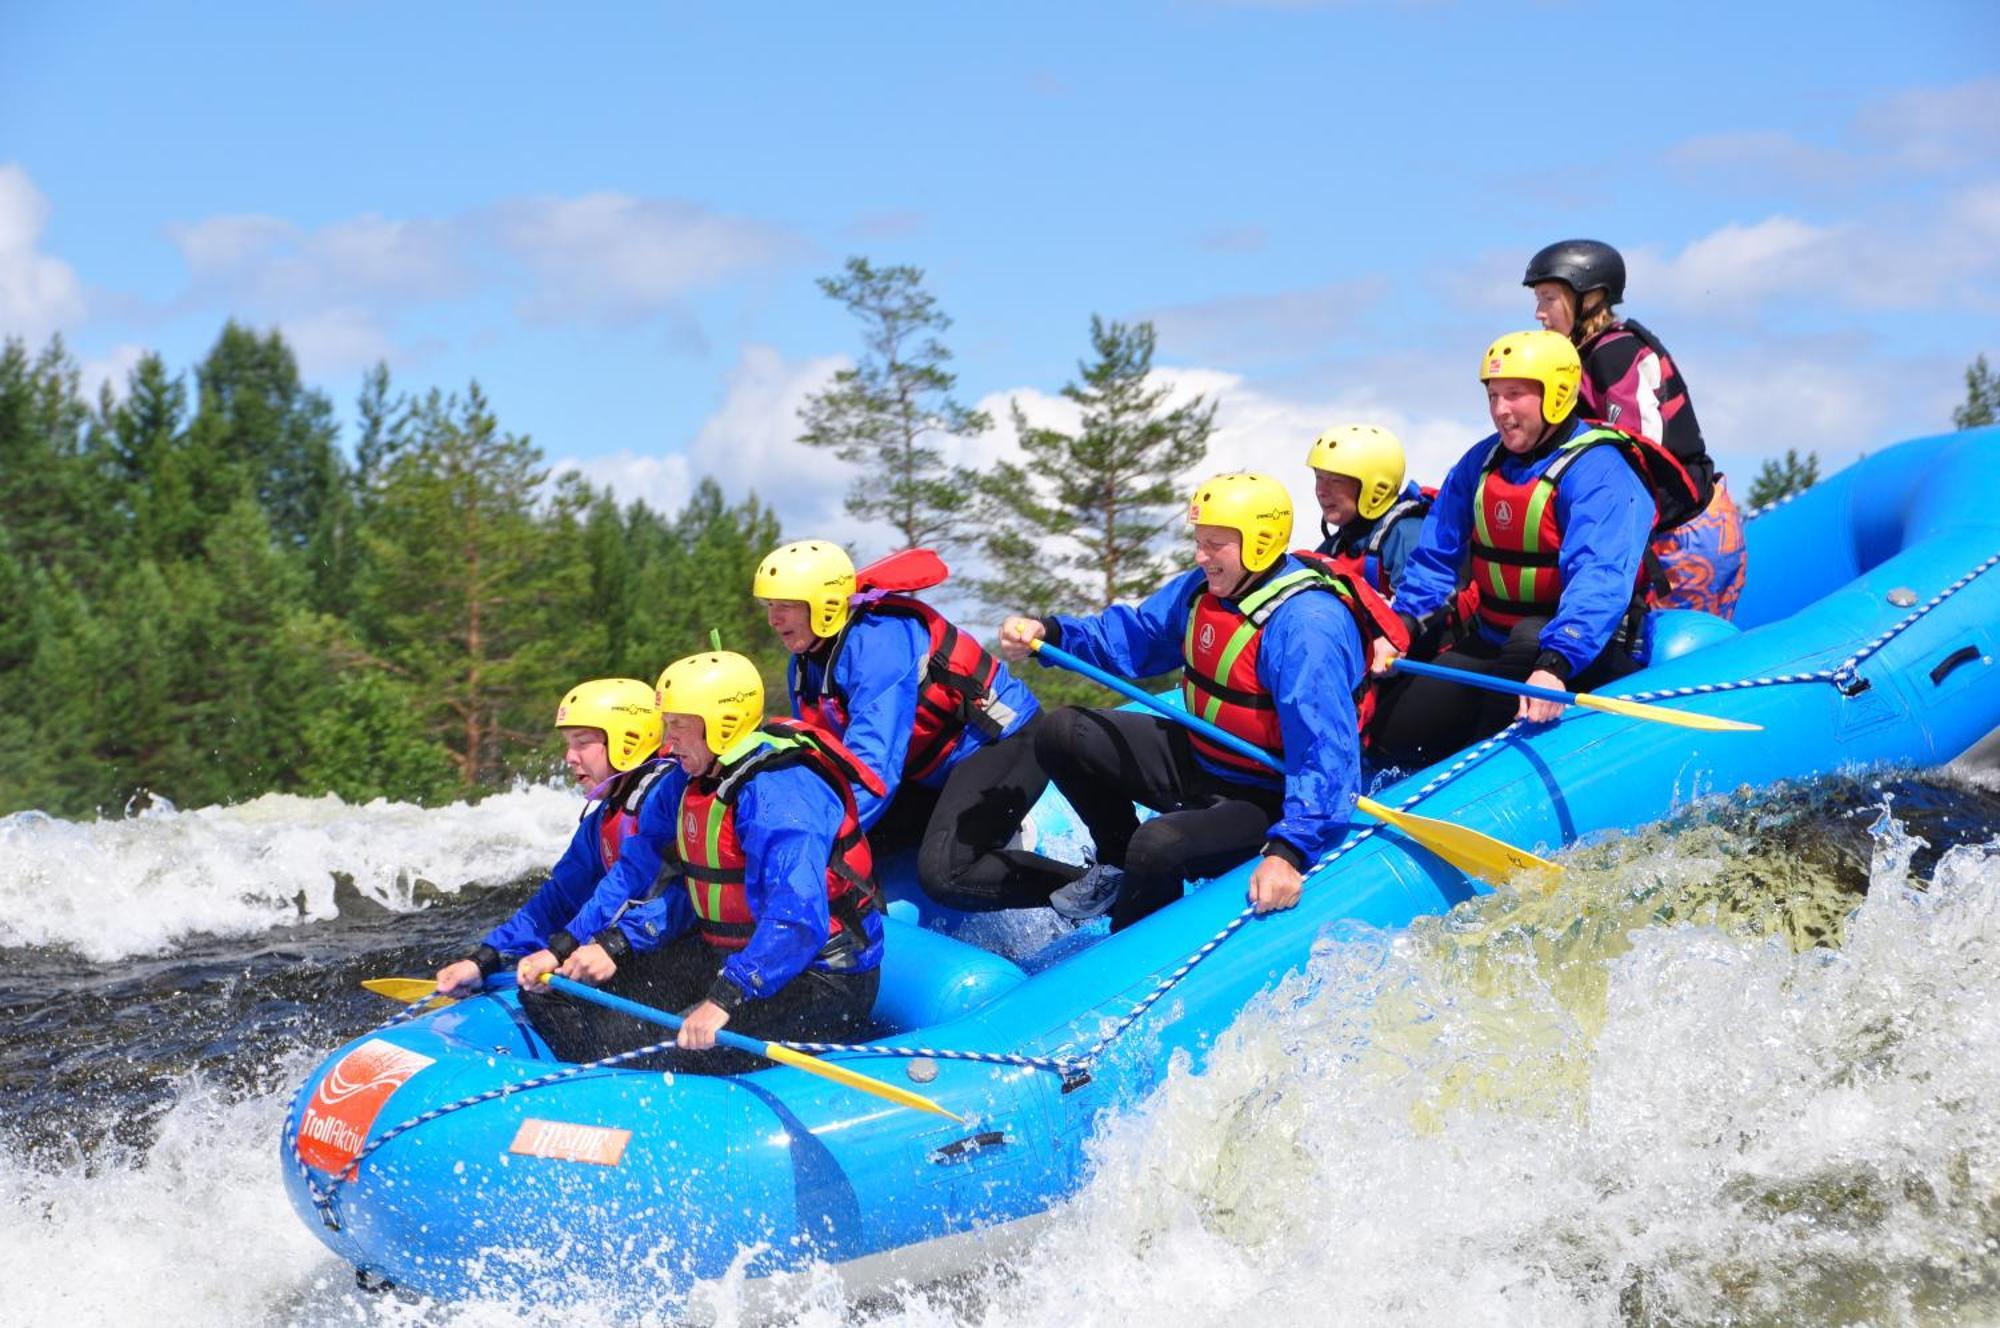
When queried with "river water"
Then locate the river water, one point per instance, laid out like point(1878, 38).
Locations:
point(1739, 1069)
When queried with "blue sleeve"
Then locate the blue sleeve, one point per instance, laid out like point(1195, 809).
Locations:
point(1606, 515)
point(1133, 641)
point(1430, 575)
point(1311, 661)
point(570, 882)
point(786, 820)
point(639, 861)
point(1396, 549)
point(880, 673)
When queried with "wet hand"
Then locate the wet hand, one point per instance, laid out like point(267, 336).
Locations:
point(699, 1029)
point(459, 979)
point(1275, 884)
point(1533, 708)
point(1018, 637)
point(1382, 656)
point(533, 968)
point(589, 963)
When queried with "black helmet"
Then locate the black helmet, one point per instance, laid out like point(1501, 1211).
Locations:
point(1587, 265)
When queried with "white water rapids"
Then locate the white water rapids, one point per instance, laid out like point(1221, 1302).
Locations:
point(1643, 1099)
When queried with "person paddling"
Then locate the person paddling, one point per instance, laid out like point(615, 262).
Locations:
point(1272, 651)
point(611, 736)
point(775, 928)
point(1556, 513)
point(1632, 383)
point(948, 729)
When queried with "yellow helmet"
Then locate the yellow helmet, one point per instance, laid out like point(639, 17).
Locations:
point(1368, 454)
point(623, 709)
point(1541, 356)
point(721, 688)
point(819, 572)
point(1254, 506)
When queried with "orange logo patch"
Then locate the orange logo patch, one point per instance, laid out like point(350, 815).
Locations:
point(1207, 641)
point(1503, 515)
point(335, 1123)
point(596, 1144)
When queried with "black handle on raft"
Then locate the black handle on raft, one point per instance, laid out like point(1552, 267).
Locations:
point(960, 1149)
point(1945, 666)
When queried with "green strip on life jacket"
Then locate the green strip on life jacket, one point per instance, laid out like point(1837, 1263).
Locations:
point(1239, 639)
point(718, 813)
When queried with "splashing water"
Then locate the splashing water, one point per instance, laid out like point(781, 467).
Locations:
point(1737, 1069)
point(113, 888)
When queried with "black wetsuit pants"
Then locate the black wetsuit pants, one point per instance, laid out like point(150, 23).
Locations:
point(1106, 760)
point(960, 831)
point(1422, 720)
point(815, 1006)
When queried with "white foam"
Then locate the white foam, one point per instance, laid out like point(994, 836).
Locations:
point(1514, 1116)
point(132, 886)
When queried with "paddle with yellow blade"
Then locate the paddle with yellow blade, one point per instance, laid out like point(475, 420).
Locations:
point(773, 1051)
point(1610, 705)
point(411, 990)
point(1468, 850)
point(407, 990)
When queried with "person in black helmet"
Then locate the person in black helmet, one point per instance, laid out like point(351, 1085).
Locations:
point(1631, 382)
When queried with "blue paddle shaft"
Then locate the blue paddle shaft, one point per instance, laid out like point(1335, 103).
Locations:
point(1195, 722)
point(583, 992)
point(1491, 684)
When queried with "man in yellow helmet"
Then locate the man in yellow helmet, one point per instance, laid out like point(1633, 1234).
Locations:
point(1556, 513)
point(778, 931)
point(950, 731)
point(1369, 517)
point(1267, 656)
point(611, 737)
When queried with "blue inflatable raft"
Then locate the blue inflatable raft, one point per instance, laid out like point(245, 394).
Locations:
point(1868, 633)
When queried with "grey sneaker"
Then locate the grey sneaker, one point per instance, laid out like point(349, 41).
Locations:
point(1090, 894)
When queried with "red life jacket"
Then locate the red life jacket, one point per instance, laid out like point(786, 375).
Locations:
point(1219, 680)
point(712, 858)
point(1516, 539)
point(957, 689)
point(621, 802)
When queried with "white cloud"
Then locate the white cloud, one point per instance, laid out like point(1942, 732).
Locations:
point(337, 340)
point(1738, 266)
point(277, 267)
point(610, 255)
point(1935, 130)
point(1943, 256)
point(39, 295)
point(110, 369)
point(662, 482)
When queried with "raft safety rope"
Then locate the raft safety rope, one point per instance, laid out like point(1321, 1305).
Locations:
point(1075, 1070)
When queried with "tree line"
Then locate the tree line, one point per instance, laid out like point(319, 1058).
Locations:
point(205, 596)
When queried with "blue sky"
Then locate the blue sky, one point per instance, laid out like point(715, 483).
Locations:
point(612, 216)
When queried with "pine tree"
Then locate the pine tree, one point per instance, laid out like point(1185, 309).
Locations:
point(1781, 479)
point(257, 416)
point(1079, 526)
point(890, 414)
point(1982, 397)
point(466, 595)
point(45, 425)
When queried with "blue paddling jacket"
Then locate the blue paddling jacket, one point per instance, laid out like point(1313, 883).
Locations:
point(786, 819)
point(1310, 663)
point(614, 857)
point(872, 699)
point(1604, 513)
